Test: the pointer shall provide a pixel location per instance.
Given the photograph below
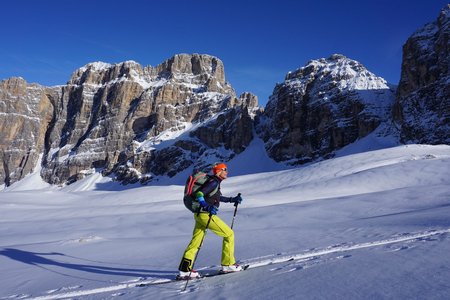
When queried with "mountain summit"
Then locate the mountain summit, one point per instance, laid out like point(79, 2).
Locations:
point(107, 115)
point(323, 106)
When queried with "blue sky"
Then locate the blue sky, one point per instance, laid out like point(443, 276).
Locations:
point(259, 41)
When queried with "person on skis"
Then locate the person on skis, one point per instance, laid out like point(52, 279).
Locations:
point(209, 198)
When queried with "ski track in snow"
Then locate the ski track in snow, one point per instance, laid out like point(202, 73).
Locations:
point(301, 261)
point(344, 247)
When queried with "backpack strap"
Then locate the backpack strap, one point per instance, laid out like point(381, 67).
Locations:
point(189, 186)
point(216, 188)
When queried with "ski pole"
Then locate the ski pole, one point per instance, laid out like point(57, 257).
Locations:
point(198, 250)
point(235, 211)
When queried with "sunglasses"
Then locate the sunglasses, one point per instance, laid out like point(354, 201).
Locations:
point(225, 169)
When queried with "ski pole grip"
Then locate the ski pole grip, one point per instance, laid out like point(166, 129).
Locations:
point(236, 203)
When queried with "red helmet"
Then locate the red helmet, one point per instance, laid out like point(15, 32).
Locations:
point(219, 167)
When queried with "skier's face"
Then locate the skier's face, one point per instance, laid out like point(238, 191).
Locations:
point(223, 174)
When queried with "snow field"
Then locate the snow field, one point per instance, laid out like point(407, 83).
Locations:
point(372, 225)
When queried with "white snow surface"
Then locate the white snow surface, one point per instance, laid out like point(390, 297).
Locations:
point(372, 225)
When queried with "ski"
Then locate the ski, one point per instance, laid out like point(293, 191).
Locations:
point(244, 267)
point(178, 278)
point(181, 278)
point(154, 282)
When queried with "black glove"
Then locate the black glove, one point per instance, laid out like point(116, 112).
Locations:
point(237, 200)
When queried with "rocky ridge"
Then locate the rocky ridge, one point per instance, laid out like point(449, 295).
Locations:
point(423, 98)
point(105, 111)
point(112, 108)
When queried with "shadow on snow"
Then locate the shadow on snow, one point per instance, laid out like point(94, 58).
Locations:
point(42, 260)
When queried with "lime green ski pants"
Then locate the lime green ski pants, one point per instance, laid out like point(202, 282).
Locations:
point(217, 226)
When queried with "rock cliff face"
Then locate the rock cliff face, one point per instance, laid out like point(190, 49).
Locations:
point(107, 111)
point(423, 98)
point(117, 117)
point(218, 139)
point(322, 107)
point(26, 112)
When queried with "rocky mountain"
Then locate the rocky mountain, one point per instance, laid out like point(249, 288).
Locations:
point(321, 107)
point(100, 119)
point(423, 97)
point(140, 123)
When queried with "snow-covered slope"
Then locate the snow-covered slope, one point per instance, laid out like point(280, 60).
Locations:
point(367, 226)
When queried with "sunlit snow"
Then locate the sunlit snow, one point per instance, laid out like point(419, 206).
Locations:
point(371, 225)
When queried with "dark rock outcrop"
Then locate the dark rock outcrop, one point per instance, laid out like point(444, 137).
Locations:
point(423, 97)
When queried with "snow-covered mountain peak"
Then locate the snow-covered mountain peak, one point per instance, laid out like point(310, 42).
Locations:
point(195, 71)
point(340, 71)
point(103, 66)
point(322, 107)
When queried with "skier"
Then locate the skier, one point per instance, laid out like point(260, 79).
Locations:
point(209, 196)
